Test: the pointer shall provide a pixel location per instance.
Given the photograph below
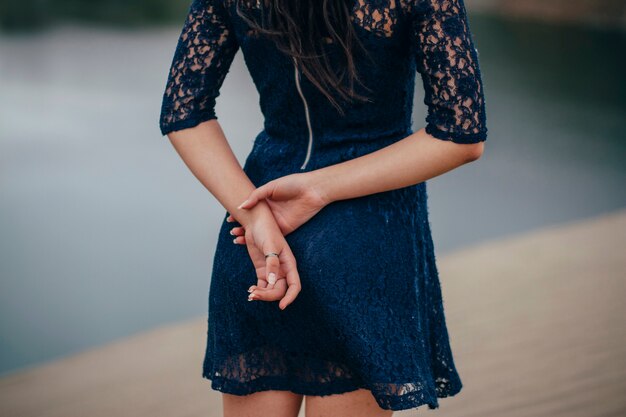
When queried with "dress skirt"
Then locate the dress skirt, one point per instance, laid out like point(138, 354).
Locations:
point(370, 313)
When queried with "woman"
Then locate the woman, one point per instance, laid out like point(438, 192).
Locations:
point(332, 241)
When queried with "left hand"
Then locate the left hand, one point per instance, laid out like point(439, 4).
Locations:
point(277, 276)
point(293, 200)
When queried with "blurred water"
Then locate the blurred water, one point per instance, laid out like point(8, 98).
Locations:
point(103, 231)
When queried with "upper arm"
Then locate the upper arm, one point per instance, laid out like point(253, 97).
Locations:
point(204, 52)
point(448, 63)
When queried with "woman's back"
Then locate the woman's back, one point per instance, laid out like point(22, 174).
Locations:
point(370, 313)
point(429, 36)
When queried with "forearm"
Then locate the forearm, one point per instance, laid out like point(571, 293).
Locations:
point(207, 154)
point(409, 161)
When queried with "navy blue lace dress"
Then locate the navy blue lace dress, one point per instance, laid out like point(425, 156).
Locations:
point(370, 313)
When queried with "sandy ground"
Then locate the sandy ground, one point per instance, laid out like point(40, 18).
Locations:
point(537, 326)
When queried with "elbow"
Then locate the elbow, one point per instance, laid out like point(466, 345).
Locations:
point(470, 145)
point(473, 151)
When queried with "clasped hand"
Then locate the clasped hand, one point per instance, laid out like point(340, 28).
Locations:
point(293, 200)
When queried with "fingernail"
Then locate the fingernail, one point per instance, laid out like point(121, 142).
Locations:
point(235, 240)
point(272, 278)
point(251, 297)
point(231, 232)
point(241, 205)
point(228, 219)
point(251, 288)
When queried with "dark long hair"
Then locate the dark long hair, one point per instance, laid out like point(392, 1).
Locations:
point(301, 28)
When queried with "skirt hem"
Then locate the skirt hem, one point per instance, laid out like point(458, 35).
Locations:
point(386, 402)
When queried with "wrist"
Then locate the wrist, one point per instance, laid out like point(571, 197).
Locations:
point(321, 184)
point(246, 217)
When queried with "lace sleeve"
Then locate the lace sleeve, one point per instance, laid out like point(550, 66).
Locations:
point(448, 63)
point(206, 48)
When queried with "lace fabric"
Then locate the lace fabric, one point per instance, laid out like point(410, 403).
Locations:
point(373, 322)
point(446, 59)
point(377, 322)
point(203, 55)
point(272, 368)
point(448, 62)
point(442, 43)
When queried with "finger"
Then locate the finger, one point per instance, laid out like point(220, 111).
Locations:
point(258, 260)
point(262, 192)
point(254, 287)
point(231, 219)
point(269, 294)
point(237, 231)
point(261, 282)
point(272, 266)
point(259, 288)
point(292, 278)
point(240, 240)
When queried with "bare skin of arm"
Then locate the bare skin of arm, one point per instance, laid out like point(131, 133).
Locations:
point(294, 199)
point(206, 152)
point(412, 160)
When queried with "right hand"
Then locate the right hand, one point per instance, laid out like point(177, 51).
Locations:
point(294, 199)
point(262, 236)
